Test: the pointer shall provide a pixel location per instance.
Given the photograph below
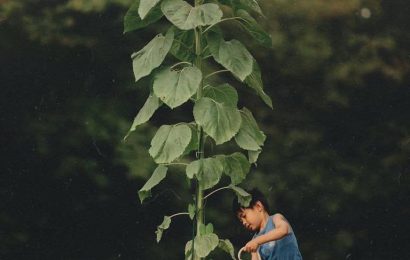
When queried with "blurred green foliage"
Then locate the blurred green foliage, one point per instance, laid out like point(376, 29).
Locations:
point(336, 161)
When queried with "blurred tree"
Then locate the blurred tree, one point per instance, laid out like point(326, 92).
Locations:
point(341, 77)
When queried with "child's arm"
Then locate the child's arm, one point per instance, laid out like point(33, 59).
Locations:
point(281, 229)
point(255, 256)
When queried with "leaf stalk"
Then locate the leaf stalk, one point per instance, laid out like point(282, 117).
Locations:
point(215, 191)
point(215, 73)
point(224, 20)
point(180, 63)
point(179, 214)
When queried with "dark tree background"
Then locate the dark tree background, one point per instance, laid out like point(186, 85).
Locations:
point(336, 161)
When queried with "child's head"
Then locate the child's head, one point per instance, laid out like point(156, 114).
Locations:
point(251, 217)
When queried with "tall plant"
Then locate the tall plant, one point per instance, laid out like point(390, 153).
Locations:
point(193, 37)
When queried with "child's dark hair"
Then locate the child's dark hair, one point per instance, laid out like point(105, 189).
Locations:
point(257, 195)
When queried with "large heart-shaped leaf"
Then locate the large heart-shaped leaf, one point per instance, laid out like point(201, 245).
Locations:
point(254, 80)
point(254, 29)
point(232, 55)
point(203, 244)
point(249, 136)
point(159, 174)
point(183, 45)
point(244, 198)
point(163, 226)
point(194, 143)
point(132, 20)
point(146, 6)
point(248, 5)
point(175, 87)
point(227, 246)
point(145, 113)
point(208, 171)
point(224, 93)
point(253, 156)
point(236, 166)
point(186, 17)
point(220, 121)
point(152, 55)
point(170, 142)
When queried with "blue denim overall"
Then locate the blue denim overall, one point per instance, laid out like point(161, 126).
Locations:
point(285, 248)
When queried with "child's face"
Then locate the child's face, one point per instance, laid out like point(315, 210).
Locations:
point(251, 218)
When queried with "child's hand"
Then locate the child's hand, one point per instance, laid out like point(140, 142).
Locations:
point(251, 246)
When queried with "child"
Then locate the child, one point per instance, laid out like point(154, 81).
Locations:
point(274, 238)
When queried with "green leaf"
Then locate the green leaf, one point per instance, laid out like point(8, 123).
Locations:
point(253, 156)
point(186, 17)
point(236, 166)
point(204, 244)
point(146, 6)
point(188, 250)
point(191, 211)
point(204, 230)
point(249, 136)
point(227, 246)
point(175, 87)
point(248, 5)
point(254, 29)
point(244, 198)
point(232, 55)
point(132, 20)
point(164, 225)
point(193, 144)
point(254, 80)
point(220, 121)
point(209, 228)
point(158, 175)
point(192, 169)
point(170, 142)
point(183, 45)
point(224, 93)
point(145, 113)
point(208, 171)
point(152, 55)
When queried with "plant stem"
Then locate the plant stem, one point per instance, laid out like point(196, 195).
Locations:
point(200, 131)
point(200, 151)
point(223, 188)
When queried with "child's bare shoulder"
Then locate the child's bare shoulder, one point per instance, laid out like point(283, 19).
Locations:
point(278, 216)
point(279, 219)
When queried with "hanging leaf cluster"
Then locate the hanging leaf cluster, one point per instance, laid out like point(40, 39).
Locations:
point(170, 59)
